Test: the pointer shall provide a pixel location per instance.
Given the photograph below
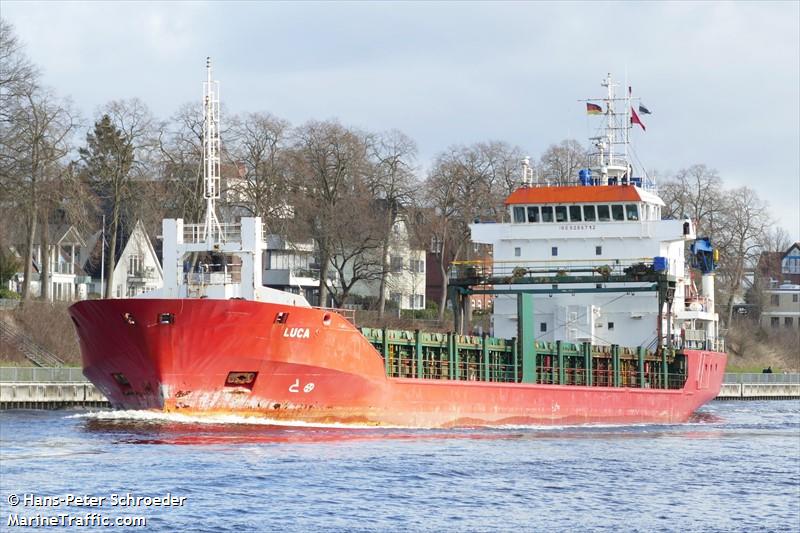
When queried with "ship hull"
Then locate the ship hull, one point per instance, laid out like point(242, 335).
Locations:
point(311, 365)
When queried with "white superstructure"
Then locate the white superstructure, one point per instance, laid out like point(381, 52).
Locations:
point(214, 259)
point(609, 220)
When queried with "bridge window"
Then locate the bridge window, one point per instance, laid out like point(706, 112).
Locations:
point(543, 326)
point(575, 213)
point(632, 211)
point(533, 213)
point(547, 214)
point(617, 212)
point(610, 325)
point(517, 251)
point(561, 213)
point(598, 250)
point(588, 213)
point(554, 251)
point(603, 213)
point(519, 214)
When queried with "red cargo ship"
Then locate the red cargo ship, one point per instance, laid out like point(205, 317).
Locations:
point(219, 342)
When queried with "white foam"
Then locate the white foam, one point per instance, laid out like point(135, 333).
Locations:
point(231, 419)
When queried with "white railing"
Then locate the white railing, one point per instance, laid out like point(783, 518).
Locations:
point(28, 374)
point(196, 233)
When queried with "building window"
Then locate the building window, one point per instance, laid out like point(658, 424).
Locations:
point(610, 326)
point(533, 213)
point(420, 301)
point(547, 213)
point(598, 250)
point(774, 322)
point(436, 245)
point(134, 265)
point(519, 214)
point(416, 265)
point(795, 298)
point(396, 297)
point(396, 264)
point(554, 251)
point(775, 300)
point(517, 251)
point(788, 322)
point(543, 327)
point(632, 211)
point(589, 214)
point(561, 213)
point(617, 212)
point(575, 213)
point(603, 213)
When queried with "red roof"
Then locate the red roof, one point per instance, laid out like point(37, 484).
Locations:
point(574, 195)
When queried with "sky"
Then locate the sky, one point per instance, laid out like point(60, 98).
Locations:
point(722, 79)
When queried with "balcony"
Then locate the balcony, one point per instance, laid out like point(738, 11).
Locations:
point(143, 275)
point(293, 277)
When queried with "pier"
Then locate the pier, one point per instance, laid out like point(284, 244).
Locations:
point(47, 388)
point(760, 387)
point(57, 387)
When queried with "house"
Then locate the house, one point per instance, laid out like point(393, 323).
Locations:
point(778, 289)
point(67, 280)
point(290, 266)
point(137, 269)
point(781, 307)
point(405, 280)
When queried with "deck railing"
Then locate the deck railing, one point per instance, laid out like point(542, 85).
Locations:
point(196, 233)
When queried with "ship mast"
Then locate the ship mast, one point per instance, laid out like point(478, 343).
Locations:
point(611, 167)
point(211, 156)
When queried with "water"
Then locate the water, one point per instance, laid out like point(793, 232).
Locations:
point(734, 467)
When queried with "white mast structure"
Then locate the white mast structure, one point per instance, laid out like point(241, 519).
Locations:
point(617, 132)
point(211, 156)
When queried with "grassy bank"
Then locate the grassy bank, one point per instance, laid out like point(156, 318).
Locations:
point(46, 324)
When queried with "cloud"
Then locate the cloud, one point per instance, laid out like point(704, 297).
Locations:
point(722, 79)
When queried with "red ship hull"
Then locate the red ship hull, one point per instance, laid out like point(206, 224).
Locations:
point(316, 367)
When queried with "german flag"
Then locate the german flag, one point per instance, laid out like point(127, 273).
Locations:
point(594, 109)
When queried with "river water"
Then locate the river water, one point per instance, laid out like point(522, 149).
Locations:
point(734, 467)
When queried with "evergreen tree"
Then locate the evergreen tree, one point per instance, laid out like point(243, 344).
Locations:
point(108, 160)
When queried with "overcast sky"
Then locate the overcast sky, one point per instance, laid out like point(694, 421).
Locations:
point(722, 79)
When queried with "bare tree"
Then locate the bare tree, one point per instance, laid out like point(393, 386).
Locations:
point(356, 240)
point(391, 182)
point(181, 148)
point(560, 163)
point(695, 193)
point(745, 220)
point(328, 161)
point(260, 150)
point(35, 138)
point(17, 74)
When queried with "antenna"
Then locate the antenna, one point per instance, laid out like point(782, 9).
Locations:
point(527, 172)
point(211, 154)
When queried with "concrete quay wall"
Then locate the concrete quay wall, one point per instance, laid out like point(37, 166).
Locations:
point(50, 395)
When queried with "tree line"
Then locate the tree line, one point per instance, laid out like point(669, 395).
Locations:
point(342, 187)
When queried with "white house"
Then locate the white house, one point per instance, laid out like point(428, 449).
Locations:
point(405, 281)
point(137, 269)
point(67, 279)
point(289, 266)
